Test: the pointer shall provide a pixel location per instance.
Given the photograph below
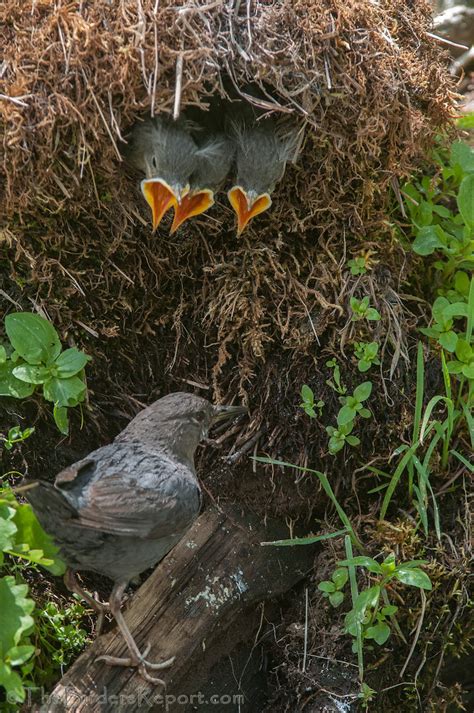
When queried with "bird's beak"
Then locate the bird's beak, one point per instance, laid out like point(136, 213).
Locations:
point(247, 206)
point(191, 204)
point(222, 413)
point(159, 196)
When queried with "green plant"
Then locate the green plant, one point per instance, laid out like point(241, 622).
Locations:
point(357, 266)
point(332, 588)
point(21, 538)
point(335, 383)
point(361, 310)
point(444, 313)
point(366, 353)
point(308, 404)
point(354, 405)
point(15, 435)
point(37, 361)
point(338, 437)
point(368, 611)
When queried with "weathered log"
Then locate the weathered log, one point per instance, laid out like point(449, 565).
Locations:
point(216, 573)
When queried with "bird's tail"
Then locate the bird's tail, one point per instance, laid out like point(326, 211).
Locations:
point(49, 504)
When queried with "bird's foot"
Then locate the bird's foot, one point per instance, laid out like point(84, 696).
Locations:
point(140, 663)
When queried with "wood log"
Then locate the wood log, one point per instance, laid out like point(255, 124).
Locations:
point(216, 574)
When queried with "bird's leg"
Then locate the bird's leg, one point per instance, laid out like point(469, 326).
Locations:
point(100, 607)
point(136, 659)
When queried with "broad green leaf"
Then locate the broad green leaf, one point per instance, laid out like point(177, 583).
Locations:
point(336, 598)
point(31, 533)
point(65, 392)
point(12, 683)
point(462, 155)
point(11, 386)
point(468, 371)
point(61, 419)
point(353, 440)
point(465, 200)
point(327, 587)
point(34, 338)
point(448, 340)
point(346, 415)
point(340, 577)
point(15, 613)
point(71, 362)
point(367, 599)
point(18, 655)
point(31, 374)
point(413, 577)
point(427, 240)
point(7, 527)
point(307, 393)
point(379, 633)
point(363, 391)
point(464, 351)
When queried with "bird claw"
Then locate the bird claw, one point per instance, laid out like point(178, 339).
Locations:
point(140, 663)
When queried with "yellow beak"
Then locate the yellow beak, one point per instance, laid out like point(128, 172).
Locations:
point(159, 196)
point(192, 204)
point(245, 208)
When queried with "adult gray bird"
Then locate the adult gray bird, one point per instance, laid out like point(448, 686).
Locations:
point(263, 149)
point(121, 509)
point(164, 150)
point(215, 156)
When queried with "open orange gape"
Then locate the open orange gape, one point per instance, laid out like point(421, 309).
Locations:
point(191, 205)
point(245, 207)
point(159, 196)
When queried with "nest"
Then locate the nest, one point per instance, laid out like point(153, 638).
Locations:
point(247, 315)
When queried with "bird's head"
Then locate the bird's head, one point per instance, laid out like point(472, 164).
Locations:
point(178, 422)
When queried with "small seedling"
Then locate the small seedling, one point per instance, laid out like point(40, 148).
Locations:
point(357, 266)
point(444, 313)
point(308, 404)
point(332, 589)
point(366, 353)
point(335, 383)
point(16, 435)
point(362, 310)
point(353, 405)
point(338, 437)
point(38, 362)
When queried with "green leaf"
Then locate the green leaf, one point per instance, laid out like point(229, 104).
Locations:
point(465, 200)
point(31, 374)
point(30, 532)
point(353, 440)
point(414, 577)
point(10, 385)
point(18, 655)
point(12, 683)
point(346, 415)
point(34, 338)
point(327, 587)
point(372, 314)
point(3, 355)
point(363, 391)
point(462, 155)
point(464, 351)
point(307, 393)
point(380, 632)
point(367, 599)
point(335, 445)
point(448, 340)
point(61, 419)
point(468, 371)
point(367, 562)
point(336, 598)
point(72, 361)
point(65, 392)
point(7, 527)
point(427, 240)
point(340, 577)
point(15, 613)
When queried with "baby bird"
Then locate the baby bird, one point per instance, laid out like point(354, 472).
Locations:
point(263, 149)
point(214, 159)
point(166, 153)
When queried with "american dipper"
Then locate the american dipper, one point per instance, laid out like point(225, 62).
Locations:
point(121, 509)
point(215, 156)
point(164, 150)
point(263, 149)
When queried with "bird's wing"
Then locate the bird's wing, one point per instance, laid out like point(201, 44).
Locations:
point(122, 489)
